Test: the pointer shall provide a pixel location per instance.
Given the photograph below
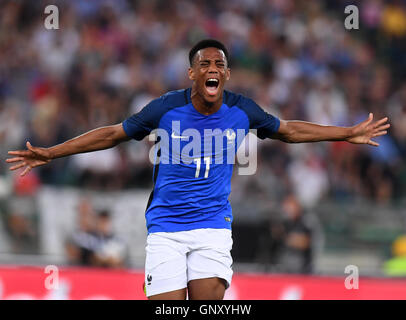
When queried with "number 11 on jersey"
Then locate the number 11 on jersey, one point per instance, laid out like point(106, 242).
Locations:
point(198, 162)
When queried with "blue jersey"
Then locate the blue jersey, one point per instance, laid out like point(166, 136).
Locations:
point(192, 174)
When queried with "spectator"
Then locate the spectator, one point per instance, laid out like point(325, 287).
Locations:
point(293, 239)
point(94, 243)
point(82, 243)
point(110, 251)
point(20, 224)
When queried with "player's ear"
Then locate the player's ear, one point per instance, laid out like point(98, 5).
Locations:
point(228, 73)
point(191, 73)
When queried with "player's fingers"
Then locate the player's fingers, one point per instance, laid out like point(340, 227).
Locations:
point(37, 151)
point(384, 127)
point(370, 118)
point(15, 159)
point(26, 170)
point(380, 133)
point(30, 147)
point(36, 164)
point(18, 166)
point(21, 153)
point(34, 150)
point(373, 143)
point(380, 122)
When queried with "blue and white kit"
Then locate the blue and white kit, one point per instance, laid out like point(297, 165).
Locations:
point(181, 201)
point(190, 197)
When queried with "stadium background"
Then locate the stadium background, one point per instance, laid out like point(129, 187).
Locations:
point(294, 58)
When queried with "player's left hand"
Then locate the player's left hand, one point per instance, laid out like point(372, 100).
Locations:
point(363, 132)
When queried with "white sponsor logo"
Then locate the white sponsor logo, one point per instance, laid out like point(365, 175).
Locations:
point(174, 136)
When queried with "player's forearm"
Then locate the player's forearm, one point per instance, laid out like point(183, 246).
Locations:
point(301, 131)
point(97, 139)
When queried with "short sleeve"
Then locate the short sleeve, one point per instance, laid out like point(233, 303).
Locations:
point(139, 125)
point(265, 123)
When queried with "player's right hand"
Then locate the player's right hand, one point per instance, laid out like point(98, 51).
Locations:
point(30, 158)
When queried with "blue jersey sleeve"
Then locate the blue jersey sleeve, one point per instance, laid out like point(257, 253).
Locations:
point(265, 123)
point(139, 125)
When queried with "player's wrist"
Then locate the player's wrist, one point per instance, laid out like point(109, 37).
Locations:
point(51, 153)
point(349, 133)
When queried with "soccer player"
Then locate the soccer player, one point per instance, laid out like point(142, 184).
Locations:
point(188, 215)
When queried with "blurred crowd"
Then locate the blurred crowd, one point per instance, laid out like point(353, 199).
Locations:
point(109, 58)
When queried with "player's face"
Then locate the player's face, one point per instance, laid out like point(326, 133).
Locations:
point(210, 72)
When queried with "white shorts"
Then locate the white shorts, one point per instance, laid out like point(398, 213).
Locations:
point(175, 258)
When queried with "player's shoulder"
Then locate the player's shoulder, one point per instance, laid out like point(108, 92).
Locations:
point(166, 102)
point(237, 99)
point(175, 98)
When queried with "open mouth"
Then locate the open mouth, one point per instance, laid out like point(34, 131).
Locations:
point(212, 86)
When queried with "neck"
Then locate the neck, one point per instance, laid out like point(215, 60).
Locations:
point(203, 106)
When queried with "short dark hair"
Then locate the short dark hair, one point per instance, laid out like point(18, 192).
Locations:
point(104, 214)
point(207, 43)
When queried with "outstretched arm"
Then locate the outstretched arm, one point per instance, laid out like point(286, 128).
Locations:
point(97, 139)
point(362, 133)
